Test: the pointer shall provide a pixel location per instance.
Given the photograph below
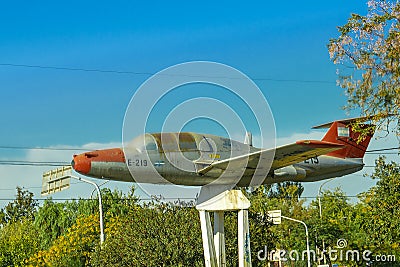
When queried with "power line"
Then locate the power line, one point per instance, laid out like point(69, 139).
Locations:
point(171, 198)
point(386, 153)
point(73, 69)
point(42, 148)
point(382, 149)
point(150, 74)
point(33, 163)
point(35, 187)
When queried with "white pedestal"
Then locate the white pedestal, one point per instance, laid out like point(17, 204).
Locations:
point(217, 200)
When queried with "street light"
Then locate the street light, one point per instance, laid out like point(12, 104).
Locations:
point(100, 205)
point(320, 213)
point(275, 217)
point(308, 245)
point(319, 196)
point(59, 179)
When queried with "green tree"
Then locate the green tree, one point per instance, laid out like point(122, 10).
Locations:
point(152, 235)
point(380, 208)
point(73, 248)
point(116, 203)
point(337, 215)
point(23, 207)
point(287, 190)
point(18, 242)
point(288, 235)
point(368, 48)
point(54, 219)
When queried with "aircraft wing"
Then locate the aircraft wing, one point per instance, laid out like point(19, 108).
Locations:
point(284, 156)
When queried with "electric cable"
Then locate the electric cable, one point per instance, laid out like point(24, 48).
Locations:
point(150, 73)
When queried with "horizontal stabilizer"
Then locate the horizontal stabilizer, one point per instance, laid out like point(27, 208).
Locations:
point(344, 121)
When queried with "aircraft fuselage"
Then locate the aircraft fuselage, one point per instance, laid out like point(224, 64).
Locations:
point(309, 170)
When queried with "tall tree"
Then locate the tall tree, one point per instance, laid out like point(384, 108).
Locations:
point(380, 208)
point(332, 222)
point(23, 207)
point(368, 48)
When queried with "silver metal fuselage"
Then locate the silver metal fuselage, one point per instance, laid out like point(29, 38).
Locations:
point(313, 169)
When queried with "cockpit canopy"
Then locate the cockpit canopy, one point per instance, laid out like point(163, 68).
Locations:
point(165, 142)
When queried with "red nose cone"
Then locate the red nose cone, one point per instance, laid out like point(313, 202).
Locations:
point(81, 164)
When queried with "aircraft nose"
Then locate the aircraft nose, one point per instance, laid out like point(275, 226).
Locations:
point(80, 163)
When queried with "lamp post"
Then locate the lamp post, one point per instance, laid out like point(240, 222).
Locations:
point(100, 205)
point(319, 196)
point(320, 213)
point(276, 216)
point(308, 246)
point(59, 179)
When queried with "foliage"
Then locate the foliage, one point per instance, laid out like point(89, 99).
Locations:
point(380, 208)
point(336, 213)
point(72, 249)
point(115, 203)
point(369, 49)
point(286, 190)
point(23, 207)
point(18, 241)
point(54, 219)
point(333, 223)
point(160, 234)
point(288, 235)
point(153, 235)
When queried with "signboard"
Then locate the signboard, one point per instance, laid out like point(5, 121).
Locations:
point(56, 180)
point(275, 216)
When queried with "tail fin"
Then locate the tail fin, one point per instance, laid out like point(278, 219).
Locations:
point(342, 132)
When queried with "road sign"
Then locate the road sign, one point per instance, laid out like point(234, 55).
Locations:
point(56, 180)
point(275, 216)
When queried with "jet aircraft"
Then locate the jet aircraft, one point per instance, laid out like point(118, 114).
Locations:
point(195, 159)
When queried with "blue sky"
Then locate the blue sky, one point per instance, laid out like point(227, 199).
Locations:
point(284, 40)
point(281, 44)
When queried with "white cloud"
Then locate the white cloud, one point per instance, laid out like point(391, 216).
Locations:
point(30, 177)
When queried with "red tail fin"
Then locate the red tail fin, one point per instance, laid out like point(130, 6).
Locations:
point(341, 132)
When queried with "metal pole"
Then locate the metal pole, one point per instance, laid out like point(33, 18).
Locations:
point(308, 246)
point(100, 205)
point(319, 196)
point(320, 212)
